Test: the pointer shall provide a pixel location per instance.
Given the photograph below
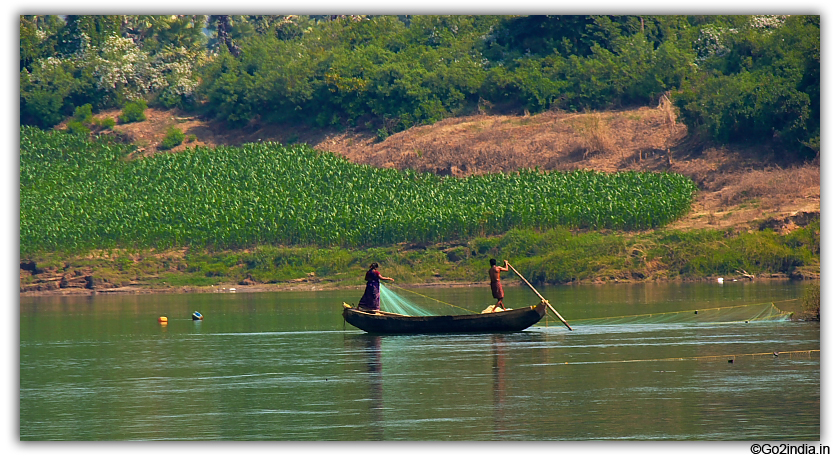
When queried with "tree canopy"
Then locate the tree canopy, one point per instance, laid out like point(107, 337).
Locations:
point(731, 78)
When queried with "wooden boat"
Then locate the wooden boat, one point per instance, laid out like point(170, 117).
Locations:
point(393, 323)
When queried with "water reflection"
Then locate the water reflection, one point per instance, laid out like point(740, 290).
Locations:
point(370, 346)
point(500, 354)
point(373, 354)
point(289, 372)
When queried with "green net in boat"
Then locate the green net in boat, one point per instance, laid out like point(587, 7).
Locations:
point(392, 302)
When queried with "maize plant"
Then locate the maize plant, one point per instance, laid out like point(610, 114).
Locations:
point(78, 194)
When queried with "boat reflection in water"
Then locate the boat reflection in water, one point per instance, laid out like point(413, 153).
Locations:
point(371, 347)
point(499, 360)
point(514, 355)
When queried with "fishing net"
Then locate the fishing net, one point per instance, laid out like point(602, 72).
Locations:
point(748, 312)
point(392, 302)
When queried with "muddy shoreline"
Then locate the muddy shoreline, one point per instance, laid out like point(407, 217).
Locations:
point(321, 286)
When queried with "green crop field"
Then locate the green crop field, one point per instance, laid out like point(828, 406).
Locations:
point(78, 194)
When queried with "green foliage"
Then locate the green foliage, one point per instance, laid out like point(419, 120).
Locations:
point(134, 111)
point(77, 128)
point(485, 246)
point(760, 84)
point(380, 69)
point(732, 77)
point(106, 60)
point(81, 30)
point(711, 253)
point(157, 33)
point(84, 114)
point(559, 256)
point(45, 92)
point(555, 256)
point(38, 38)
point(811, 302)
point(807, 237)
point(233, 197)
point(107, 122)
point(174, 137)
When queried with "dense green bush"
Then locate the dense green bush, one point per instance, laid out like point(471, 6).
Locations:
point(731, 77)
point(84, 114)
point(811, 302)
point(77, 128)
point(45, 92)
point(761, 84)
point(134, 111)
point(400, 76)
point(107, 122)
point(174, 137)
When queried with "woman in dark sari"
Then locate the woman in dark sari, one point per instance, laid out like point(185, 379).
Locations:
point(370, 300)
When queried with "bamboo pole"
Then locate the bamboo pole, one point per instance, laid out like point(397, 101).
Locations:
point(541, 296)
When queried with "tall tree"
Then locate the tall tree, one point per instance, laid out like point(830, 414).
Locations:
point(38, 37)
point(224, 29)
point(97, 29)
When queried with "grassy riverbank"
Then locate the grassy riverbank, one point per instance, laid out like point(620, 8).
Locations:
point(76, 201)
point(556, 256)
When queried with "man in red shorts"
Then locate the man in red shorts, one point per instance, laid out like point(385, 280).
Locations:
point(496, 283)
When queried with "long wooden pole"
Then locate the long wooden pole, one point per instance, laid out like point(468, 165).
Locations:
point(541, 296)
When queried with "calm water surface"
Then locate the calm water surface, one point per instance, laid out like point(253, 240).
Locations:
point(283, 366)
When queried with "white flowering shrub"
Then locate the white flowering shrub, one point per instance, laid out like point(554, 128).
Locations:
point(125, 72)
point(175, 80)
point(711, 42)
point(119, 68)
point(712, 39)
point(768, 22)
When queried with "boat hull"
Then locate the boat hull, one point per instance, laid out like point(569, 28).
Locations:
point(390, 323)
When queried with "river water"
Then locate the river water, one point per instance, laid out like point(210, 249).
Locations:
point(284, 366)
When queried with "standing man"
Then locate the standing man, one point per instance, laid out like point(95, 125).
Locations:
point(496, 283)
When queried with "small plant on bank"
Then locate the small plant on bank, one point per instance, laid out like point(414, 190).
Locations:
point(83, 121)
point(84, 114)
point(134, 111)
point(174, 137)
point(74, 127)
point(811, 302)
point(107, 123)
point(82, 117)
